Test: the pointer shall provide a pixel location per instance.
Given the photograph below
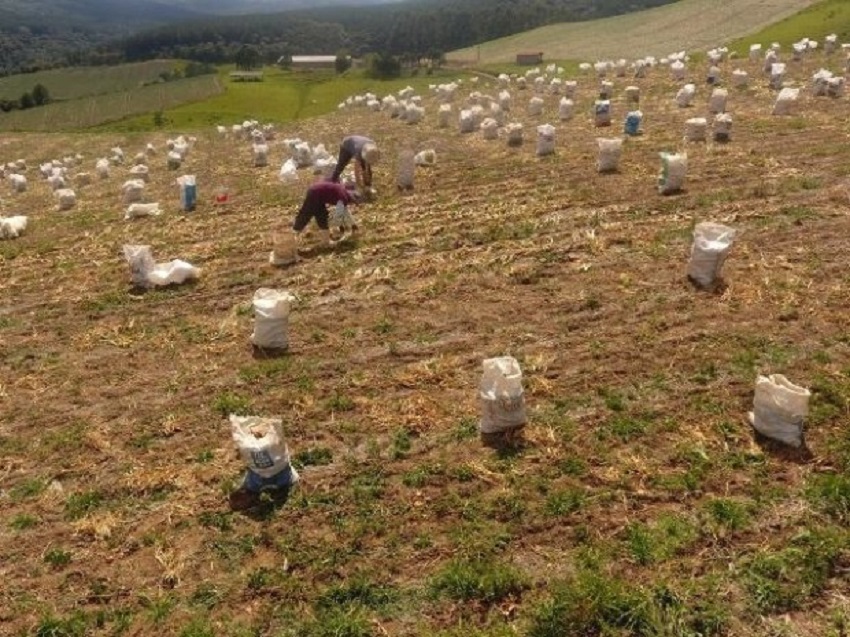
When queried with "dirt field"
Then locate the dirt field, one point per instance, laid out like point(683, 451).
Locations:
point(638, 500)
point(691, 25)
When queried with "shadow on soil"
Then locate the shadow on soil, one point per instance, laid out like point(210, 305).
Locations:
point(259, 506)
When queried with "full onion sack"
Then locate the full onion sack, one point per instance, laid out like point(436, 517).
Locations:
point(711, 246)
point(271, 318)
point(674, 169)
point(779, 409)
point(12, 227)
point(140, 260)
point(146, 272)
point(501, 395)
point(284, 249)
point(261, 447)
point(610, 150)
point(406, 170)
point(545, 140)
point(602, 113)
point(514, 134)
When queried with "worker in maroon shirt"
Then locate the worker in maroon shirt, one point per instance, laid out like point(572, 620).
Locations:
point(319, 196)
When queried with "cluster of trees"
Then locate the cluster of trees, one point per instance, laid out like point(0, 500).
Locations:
point(408, 31)
point(413, 31)
point(39, 96)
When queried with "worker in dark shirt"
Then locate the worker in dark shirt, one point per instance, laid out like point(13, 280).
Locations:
point(365, 154)
point(319, 196)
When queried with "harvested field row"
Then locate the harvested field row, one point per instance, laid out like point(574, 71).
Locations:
point(637, 501)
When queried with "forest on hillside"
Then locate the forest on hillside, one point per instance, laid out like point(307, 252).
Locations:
point(410, 29)
point(417, 29)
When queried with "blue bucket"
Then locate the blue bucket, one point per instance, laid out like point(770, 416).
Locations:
point(632, 125)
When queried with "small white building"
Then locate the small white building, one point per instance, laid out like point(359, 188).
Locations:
point(312, 61)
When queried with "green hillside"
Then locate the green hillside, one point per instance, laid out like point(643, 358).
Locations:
point(817, 21)
point(689, 24)
point(74, 83)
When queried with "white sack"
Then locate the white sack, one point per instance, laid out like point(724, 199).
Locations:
point(711, 246)
point(261, 155)
point(722, 127)
point(136, 210)
point(288, 172)
point(271, 318)
point(696, 129)
point(610, 150)
point(674, 169)
point(545, 140)
point(67, 198)
point(717, 102)
point(565, 109)
point(426, 157)
point(176, 271)
point(786, 101)
point(406, 169)
point(12, 227)
point(602, 113)
point(260, 444)
point(779, 409)
point(490, 129)
point(501, 395)
point(132, 190)
point(513, 132)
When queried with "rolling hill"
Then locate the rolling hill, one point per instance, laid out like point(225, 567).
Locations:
point(238, 7)
point(689, 24)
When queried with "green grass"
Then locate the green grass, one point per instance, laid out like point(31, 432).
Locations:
point(488, 582)
point(660, 540)
point(592, 604)
point(57, 558)
point(816, 22)
point(98, 110)
point(86, 81)
point(23, 521)
point(79, 505)
point(635, 34)
point(282, 96)
point(786, 579)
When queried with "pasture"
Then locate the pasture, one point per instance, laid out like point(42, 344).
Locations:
point(78, 82)
point(89, 112)
point(817, 21)
point(637, 501)
point(283, 96)
point(691, 25)
point(123, 99)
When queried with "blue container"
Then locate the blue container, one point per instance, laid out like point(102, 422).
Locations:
point(632, 125)
point(188, 197)
point(256, 483)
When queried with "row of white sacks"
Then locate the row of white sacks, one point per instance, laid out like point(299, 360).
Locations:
point(779, 406)
point(481, 105)
point(779, 411)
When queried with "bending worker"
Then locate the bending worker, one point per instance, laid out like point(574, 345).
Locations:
point(319, 196)
point(365, 154)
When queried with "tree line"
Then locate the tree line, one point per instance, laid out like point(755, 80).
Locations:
point(415, 31)
point(39, 96)
point(406, 31)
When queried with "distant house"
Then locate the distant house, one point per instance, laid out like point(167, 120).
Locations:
point(529, 59)
point(312, 62)
point(246, 76)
